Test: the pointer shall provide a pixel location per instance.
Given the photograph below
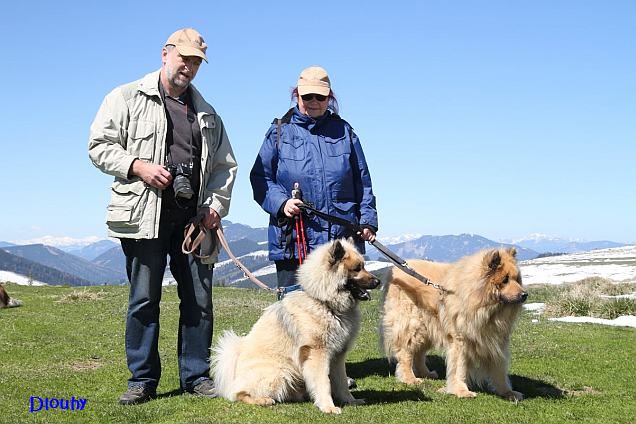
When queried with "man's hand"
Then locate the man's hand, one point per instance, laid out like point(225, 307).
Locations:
point(211, 218)
point(154, 175)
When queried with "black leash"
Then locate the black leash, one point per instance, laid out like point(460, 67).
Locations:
point(399, 262)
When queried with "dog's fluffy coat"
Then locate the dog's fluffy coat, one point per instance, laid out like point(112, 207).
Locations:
point(297, 348)
point(472, 322)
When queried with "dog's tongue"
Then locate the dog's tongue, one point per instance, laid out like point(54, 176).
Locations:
point(358, 292)
point(361, 294)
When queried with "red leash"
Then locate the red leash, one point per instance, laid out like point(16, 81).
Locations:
point(301, 241)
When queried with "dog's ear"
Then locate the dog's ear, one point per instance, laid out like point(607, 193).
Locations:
point(337, 252)
point(513, 252)
point(492, 260)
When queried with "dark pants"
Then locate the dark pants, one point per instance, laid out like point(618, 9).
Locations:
point(145, 266)
point(286, 272)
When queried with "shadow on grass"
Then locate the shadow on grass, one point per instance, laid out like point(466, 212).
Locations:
point(383, 368)
point(530, 387)
point(171, 393)
point(372, 397)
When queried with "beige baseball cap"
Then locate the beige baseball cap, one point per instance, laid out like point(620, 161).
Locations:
point(188, 43)
point(314, 80)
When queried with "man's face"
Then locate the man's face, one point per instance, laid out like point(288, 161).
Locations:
point(179, 70)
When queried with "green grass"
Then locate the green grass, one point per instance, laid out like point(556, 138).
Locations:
point(70, 342)
point(585, 298)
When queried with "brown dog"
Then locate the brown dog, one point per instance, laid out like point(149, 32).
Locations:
point(472, 322)
point(6, 301)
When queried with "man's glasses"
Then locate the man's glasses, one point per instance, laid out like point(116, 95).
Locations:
point(310, 97)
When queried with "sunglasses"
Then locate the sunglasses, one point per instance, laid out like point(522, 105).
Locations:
point(310, 97)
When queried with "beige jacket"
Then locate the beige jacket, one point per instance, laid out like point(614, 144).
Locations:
point(131, 123)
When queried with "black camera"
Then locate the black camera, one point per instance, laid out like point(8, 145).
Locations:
point(181, 174)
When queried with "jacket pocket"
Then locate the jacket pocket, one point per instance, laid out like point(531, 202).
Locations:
point(292, 148)
point(346, 209)
point(337, 146)
point(141, 142)
point(208, 126)
point(127, 203)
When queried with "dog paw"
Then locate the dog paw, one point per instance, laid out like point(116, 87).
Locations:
point(331, 410)
point(513, 396)
point(465, 394)
point(412, 381)
point(264, 401)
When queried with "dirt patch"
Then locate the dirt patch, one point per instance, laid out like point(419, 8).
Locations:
point(87, 365)
point(82, 296)
point(585, 390)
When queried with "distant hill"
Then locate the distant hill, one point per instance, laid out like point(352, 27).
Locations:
point(6, 244)
point(541, 243)
point(67, 263)
point(446, 248)
point(235, 231)
point(113, 258)
point(38, 272)
point(227, 273)
point(240, 247)
point(93, 250)
point(107, 263)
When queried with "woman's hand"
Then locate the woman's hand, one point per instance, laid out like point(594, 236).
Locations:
point(291, 207)
point(367, 234)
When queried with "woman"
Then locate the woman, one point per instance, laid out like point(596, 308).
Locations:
point(312, 146)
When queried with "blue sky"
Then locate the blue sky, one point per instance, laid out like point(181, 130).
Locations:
point(496, 118)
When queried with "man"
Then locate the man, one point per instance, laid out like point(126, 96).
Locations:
point(171, 159)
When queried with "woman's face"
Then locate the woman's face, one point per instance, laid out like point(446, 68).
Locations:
point(314, 105)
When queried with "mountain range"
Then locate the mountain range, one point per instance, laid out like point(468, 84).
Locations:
point(543, 244)
point(103, 262)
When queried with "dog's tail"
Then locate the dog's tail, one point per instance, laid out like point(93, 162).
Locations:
point(224, 359)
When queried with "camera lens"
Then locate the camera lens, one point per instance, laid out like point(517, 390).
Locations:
point(182, 187)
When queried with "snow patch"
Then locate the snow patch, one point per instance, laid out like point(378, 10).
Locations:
point(63, 241)
point(22, 280)
point(616, 264)
point(622, 321)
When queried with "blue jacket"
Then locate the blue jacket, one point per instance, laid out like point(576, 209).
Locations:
point(326, 158)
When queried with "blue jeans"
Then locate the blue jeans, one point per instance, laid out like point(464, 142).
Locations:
point(145, 265)
point(286, 272)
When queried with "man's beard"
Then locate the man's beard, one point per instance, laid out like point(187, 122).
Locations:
point(177, 80)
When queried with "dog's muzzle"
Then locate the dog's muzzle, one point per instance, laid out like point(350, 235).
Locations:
point(515, 300)
point(359, 292)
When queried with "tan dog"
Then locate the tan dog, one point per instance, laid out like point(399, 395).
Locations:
point(297, 348)
point(472, 322)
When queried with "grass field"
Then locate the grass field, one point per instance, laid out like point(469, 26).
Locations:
point(68, 342)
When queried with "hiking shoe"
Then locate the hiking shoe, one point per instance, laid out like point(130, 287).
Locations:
point(137, 394)
point(351, 383)
point(204, 389)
